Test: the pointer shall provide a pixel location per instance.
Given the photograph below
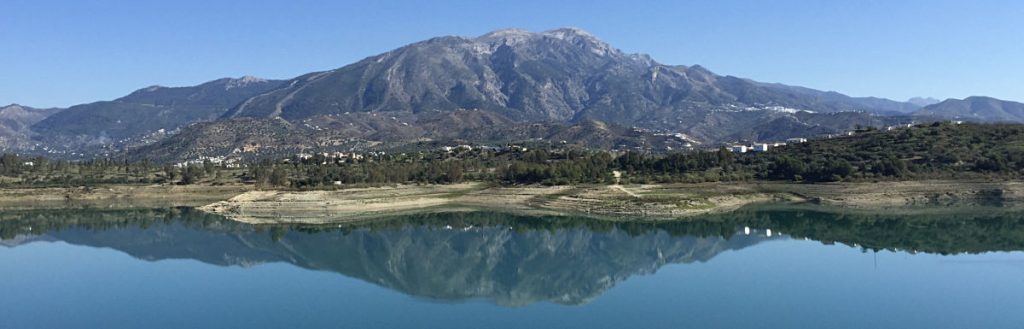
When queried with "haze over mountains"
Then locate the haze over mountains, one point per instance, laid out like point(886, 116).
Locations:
point(505, 86)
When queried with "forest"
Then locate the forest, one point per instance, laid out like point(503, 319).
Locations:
point(941, 150)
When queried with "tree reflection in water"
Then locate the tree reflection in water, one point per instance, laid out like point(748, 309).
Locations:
point(509, 259)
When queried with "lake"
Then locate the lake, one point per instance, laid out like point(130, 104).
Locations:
point(760, 267)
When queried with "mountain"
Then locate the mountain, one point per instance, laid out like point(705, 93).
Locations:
point(15, 123)
point(504, 86)
point(922, 101)
point(147, 111)
point(976, 108)
point(563, 75)
point(513, 85)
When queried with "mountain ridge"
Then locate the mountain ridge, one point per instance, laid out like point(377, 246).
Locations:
point(16, 121)
point(559, 74)
point(975, 108)
point(561, 79)
point(146, 111)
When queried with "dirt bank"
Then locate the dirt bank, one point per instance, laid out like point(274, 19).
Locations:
point(656, 202)
point(653, 202)
point(117, 196)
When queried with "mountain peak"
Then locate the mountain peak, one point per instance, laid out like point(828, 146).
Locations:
point(922, 101)
point(572, 35)
point(981, 98)
point(566, 32)
point(513, 32)
point(242, 82)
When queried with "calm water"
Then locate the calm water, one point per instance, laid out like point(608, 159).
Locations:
point(176, 268)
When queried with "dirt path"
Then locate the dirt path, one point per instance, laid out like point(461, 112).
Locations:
point(624, 190)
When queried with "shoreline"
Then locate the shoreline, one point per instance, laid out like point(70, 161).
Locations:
point(636, 202)
point(117, 196)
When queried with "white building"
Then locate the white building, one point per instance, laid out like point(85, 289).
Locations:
point(796, 140)
point(761, 147)
point(739, 149)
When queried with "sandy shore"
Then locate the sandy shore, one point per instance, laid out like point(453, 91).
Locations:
point(653, 202)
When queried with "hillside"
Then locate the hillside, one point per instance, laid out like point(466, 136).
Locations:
point(983, 109)
point(251, 138)
point(15, 123)
point(146, 111)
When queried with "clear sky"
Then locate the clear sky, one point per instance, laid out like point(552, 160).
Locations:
point(59, 53)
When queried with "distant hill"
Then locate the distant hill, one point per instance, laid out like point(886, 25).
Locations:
point(146, 111)
point(15, 123)
point(982, 109)
point(922, 101)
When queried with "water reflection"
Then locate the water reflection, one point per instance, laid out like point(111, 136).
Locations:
point(509, 259)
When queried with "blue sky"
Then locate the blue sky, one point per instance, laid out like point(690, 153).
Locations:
point(59, 53)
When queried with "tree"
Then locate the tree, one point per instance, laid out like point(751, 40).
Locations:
point(170, 172)
point(786, 167)
point(191, 175)
point(278, 177)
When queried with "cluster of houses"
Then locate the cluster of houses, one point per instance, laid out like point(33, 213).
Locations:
point(462, 147)
point(764, 147)
point(221, 160)
point(495, 149)
point(333, 155)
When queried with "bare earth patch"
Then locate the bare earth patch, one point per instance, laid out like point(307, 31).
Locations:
point(647, 202)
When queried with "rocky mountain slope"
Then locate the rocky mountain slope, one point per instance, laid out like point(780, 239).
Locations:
point(560, 75)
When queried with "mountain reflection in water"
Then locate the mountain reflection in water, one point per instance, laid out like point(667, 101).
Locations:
point(509, 259)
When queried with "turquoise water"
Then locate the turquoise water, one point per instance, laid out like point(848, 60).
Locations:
point(176, 268)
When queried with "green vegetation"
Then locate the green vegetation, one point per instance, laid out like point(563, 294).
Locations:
point(17, 171)
point(934, 151)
